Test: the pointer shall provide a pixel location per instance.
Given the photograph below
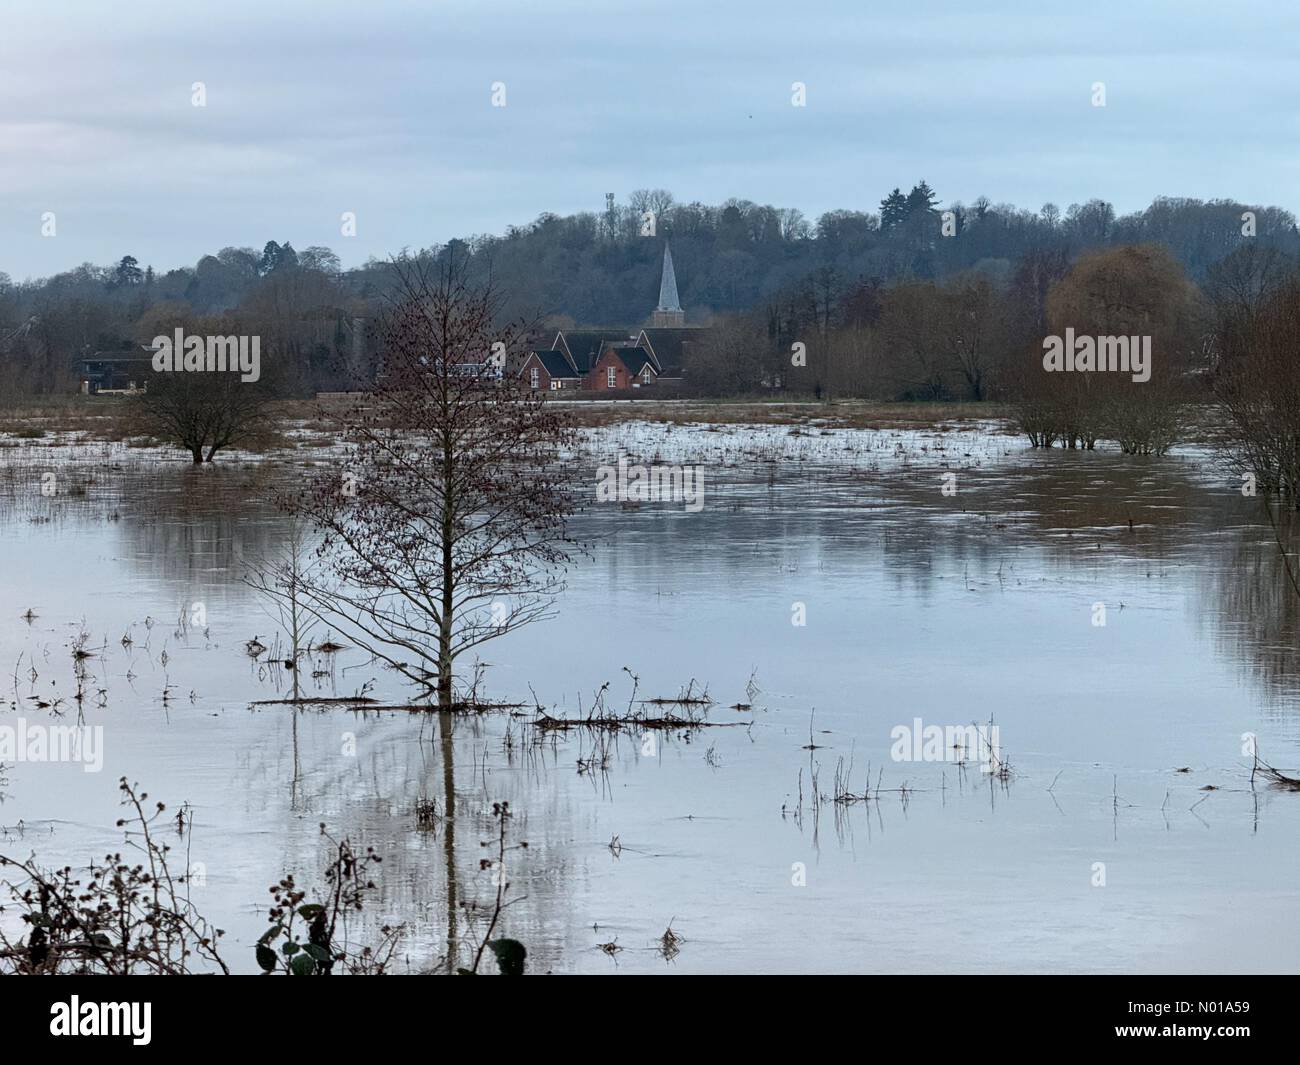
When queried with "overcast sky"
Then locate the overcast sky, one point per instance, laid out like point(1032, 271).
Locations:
point(384, 108)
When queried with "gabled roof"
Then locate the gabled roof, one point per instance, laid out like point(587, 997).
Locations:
point(582, 345)
point(628, 349)
point(634, 357)
point(668, 345)
point(555, 363)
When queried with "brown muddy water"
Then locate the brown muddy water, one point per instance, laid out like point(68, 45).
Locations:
point(1125, 740)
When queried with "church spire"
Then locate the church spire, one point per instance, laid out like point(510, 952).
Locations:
point(669, 312)
point(668, 285)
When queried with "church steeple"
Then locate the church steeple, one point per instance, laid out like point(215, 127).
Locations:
point(669, 313)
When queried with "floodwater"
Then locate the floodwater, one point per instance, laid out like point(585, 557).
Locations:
point(1097, 853)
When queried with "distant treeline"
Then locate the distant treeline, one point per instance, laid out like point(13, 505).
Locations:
point(797, 276)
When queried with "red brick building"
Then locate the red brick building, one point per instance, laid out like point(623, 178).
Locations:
point(621, 367)
point(550, 371)
point(618, 360)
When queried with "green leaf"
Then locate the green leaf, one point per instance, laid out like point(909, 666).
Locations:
point(290, 948)
point(510, 956)
point(302, 965)
point(318, 952)
point(310, 910)
point(266, 957)
point(272, 931)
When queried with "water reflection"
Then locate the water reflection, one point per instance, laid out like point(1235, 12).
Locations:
point(1255, 606)
point(953, 608)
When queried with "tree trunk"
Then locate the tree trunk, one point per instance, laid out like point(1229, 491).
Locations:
point(448, 573)
point(449, 833)
point(444, 660)
point(297, 628)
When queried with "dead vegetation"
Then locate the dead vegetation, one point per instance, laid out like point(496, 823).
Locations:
point(510, 954)
point(105, 418)
point(1274, 777)
point(840, 414)
point(117, 917)
point(670, 943)
point(686, 711)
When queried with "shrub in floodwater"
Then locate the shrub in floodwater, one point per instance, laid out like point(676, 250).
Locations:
point(121, 919)
point(510, 954)
point(309, 938)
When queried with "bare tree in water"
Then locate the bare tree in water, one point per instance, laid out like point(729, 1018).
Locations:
point(1258, 387)
point(445, 523)
point(203, 412)
point(290, 583)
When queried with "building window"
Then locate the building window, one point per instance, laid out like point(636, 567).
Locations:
point(645, 375)
point(556, 385)
point(535, 378)
point(611, 377)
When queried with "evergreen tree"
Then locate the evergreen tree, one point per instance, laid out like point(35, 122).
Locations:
point(893, 209)
point(276, 256)
point(270, 258)
point(127, 272)
point(921, 199)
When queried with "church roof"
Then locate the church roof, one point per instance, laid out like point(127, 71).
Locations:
point(668, 300)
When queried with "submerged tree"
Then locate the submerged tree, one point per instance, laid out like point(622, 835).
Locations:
point(1127, 303)
point(286, 583)
point(210, 391)
point(445, 525)
point(203, 412)
point(1259, 392)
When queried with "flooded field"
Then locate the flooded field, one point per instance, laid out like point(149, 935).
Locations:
point(1124, 622)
